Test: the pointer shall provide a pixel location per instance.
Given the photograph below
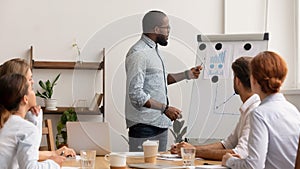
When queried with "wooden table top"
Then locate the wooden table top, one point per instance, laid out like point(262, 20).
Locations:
point(101, 163)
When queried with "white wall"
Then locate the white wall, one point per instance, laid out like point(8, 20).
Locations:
point(52, 26)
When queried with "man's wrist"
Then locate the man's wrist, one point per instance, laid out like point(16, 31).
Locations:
point(186, 73)
point(164, 108)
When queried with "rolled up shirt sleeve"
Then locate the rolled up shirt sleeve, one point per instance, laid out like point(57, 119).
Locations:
point(136, 71)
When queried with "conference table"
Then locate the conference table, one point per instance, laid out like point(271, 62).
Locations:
point(101, 163)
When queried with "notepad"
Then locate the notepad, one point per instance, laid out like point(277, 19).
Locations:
point(210, 166)
point(156, 166)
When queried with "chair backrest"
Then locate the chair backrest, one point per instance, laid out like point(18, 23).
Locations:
point(297, 164)
point(48, 132)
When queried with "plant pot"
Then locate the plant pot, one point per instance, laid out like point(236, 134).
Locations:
point(50, 104)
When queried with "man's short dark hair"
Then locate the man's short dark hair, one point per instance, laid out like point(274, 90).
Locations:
point(241, 69)
point(152, 19)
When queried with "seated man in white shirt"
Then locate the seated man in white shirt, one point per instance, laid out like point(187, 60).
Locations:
point(237, 141)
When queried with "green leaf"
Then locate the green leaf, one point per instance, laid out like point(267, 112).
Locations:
point(63, 118)
point(180, 135)
point(181, 123)
point(178, 139)
point(59, 127)
point(42, 84)
point(54, 81)
point(173, 133)
point(184, 130)
point(177, 125)
point(48, 85)
point(40, 95)
point(45, 95)
point(177, 131)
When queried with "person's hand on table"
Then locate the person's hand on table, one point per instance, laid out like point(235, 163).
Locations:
point(173, 149)
point(182, 144)
point(227, 156)
point(58, 159)
point(66, 152)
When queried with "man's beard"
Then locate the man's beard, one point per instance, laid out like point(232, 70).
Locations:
point(161, 40)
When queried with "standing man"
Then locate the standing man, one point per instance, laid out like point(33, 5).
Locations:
point(237, 141)
point(148, 113)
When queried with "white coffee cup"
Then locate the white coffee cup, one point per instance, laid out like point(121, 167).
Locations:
point(150, 148)
point(116, 161)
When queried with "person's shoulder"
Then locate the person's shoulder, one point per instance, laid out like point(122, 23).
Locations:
point(21, 127)
point(139, 47)
point(22, 124)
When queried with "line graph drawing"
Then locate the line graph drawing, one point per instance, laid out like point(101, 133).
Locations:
point(214, 105)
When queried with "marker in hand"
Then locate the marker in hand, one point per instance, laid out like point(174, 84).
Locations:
point(179, 116)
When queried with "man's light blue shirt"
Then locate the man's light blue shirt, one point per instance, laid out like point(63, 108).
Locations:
point(146, 78)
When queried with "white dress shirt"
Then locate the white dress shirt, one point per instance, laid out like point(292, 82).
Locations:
point(238, 139)
point(19, 144)
point(37, 121)
point(274, 135)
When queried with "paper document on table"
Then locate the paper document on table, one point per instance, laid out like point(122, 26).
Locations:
point(210, 166)
point(170, 157)
point(155, 166)
point(77, 157)
point(131, 154)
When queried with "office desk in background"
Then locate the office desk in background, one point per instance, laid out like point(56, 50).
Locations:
point(101, 163)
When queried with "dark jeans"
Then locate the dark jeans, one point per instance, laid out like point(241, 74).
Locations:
point(142, 132)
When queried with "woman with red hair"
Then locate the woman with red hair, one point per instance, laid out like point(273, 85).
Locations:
point(274, 124)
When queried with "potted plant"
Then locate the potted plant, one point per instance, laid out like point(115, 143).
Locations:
point(47, 93)
point(61, 136)
point(178, 130)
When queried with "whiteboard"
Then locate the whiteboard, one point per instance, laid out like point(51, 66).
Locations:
point(214, 107)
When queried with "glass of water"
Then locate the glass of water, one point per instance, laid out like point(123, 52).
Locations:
point(87, 159)
point(188, 155)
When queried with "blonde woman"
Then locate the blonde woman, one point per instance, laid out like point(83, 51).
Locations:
point(18, 137)
point(35, 115)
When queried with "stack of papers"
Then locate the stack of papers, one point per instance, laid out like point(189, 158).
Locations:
point(210, 166)
point(171, 157)
point(155, 166)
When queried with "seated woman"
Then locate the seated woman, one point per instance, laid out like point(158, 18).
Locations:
point(19, 138)
point(35, 115)
point(274, 124)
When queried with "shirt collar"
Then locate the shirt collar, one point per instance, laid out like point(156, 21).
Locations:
point(273, 97)
point(250, 101)
point(148, 41)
